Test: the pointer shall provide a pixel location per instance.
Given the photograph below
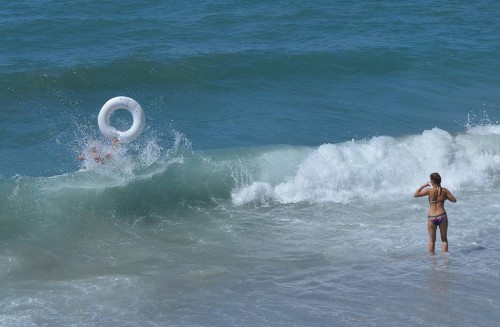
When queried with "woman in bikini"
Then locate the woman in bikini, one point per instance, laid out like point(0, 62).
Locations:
point(436, 215)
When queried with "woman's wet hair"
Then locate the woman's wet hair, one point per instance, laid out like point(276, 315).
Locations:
point(436, 178)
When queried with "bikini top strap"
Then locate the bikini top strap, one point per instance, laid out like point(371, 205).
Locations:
point(435, 201)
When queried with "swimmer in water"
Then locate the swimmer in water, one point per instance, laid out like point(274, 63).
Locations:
point(436, 215)
point(116, 143)
point(98, 158)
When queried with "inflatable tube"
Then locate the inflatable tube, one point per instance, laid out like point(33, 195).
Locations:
point(103, 120)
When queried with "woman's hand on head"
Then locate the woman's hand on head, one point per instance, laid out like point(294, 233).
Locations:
point(420, 191)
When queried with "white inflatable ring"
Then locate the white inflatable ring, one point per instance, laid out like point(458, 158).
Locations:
point(103, 120)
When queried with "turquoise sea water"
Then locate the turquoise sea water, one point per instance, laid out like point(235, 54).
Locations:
point(273, 182)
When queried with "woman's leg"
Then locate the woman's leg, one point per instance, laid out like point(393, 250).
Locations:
point(443, 230)
point(431, 228)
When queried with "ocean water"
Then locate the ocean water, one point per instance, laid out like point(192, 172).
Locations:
point(273, 183)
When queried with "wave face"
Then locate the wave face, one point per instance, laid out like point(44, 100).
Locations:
point(153, 180)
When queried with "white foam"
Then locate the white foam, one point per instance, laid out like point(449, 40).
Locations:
point(382, 166)
point(257, 192)
point(123, 164)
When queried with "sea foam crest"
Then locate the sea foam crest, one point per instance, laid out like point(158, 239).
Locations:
point(385, 167)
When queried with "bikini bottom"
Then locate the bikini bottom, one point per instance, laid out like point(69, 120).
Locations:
point(437, 220)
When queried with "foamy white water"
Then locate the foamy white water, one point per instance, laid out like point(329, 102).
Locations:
point(382, 167)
